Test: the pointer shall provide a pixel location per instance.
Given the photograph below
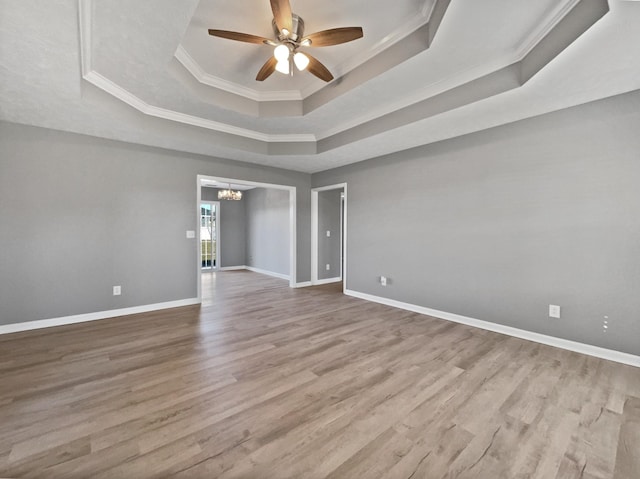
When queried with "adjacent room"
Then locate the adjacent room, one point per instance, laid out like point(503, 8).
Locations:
point(341, 239)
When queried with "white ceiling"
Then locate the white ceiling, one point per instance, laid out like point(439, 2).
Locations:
point(152, 75)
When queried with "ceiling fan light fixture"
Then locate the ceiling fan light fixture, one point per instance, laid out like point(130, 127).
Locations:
point(281, 53)
point(288, 30)
point(283, 66)
point(301, 60)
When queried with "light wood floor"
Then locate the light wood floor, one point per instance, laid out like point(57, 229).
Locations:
point(269, 382)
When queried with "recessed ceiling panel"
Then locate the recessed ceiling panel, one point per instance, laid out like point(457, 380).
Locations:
point(238, 62)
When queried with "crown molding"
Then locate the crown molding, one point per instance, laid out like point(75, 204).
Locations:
point(205, 78)
point(408, 26)
point(85, 10)
point(85, 14)
point(453, 81)
point(546, 25)
point(130, 99)
point(463, 76)
point(427, 8)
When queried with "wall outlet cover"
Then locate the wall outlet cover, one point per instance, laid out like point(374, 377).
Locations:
point(117, 290)
point(554, 311)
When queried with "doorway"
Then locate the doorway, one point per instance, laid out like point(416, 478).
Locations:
point(329, 234)
point(210, 235)
point(226, 182)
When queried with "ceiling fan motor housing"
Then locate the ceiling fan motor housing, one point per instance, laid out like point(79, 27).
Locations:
point(297, 32)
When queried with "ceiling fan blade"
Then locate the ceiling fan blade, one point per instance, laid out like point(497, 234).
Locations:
point(334, 36)
point(267, 69)
point(282, 14)
point(318, 69)
point(241, 37)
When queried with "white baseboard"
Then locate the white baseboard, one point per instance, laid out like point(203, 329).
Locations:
point(304, 284)
point(268, 273)
point(81, 318)
point(598, 352)
point(326, 281)
point(232, 268)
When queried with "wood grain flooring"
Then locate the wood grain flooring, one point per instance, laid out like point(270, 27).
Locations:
point(263, 381)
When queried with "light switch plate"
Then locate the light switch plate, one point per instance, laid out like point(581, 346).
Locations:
point(191, 234)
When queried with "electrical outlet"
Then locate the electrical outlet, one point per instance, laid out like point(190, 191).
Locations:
point(383, 280)
point(328, 234)
point(605, 324)
point(554, 311)
point(117, 290)
point(191, 234)
point(328, 267)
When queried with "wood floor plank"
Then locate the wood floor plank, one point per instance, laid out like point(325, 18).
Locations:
point(628, 452)
point(266, 381)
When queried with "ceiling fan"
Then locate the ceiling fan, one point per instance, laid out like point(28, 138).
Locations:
point(289, 32)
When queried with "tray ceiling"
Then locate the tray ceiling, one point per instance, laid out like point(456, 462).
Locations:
point(148, 72)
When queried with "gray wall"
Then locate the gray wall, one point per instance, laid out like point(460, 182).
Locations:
point(268, 229)
point(499, 224)
point(232, 224)
point(80, 214)
point(329, 205)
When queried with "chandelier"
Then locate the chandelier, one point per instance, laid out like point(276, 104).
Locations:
point(230, 194)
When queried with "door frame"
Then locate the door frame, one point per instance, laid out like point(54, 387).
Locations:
point(314, 233)
point(292, 223)
point(218, 248)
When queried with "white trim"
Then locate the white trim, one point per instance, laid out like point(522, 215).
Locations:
point(85, 15)
point(314, 231)
point(423, 15)
point(205, 78)
point(327, 281)
point(293, 237)
point(460, 77)
point(427, 8)
point(596, 351)
point(426, 92)
point(268, 273)
point(82, 318)
point(304, 284)
point(406, 28)
point(130, 99)
point(198, 259)
point(314, 236)
point(292, 224)
point(262, 271)
point(544, 27)
point(85, 18)
point(344, 239)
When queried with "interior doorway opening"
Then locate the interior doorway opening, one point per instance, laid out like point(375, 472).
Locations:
point(329, 234)
point(264, 241)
